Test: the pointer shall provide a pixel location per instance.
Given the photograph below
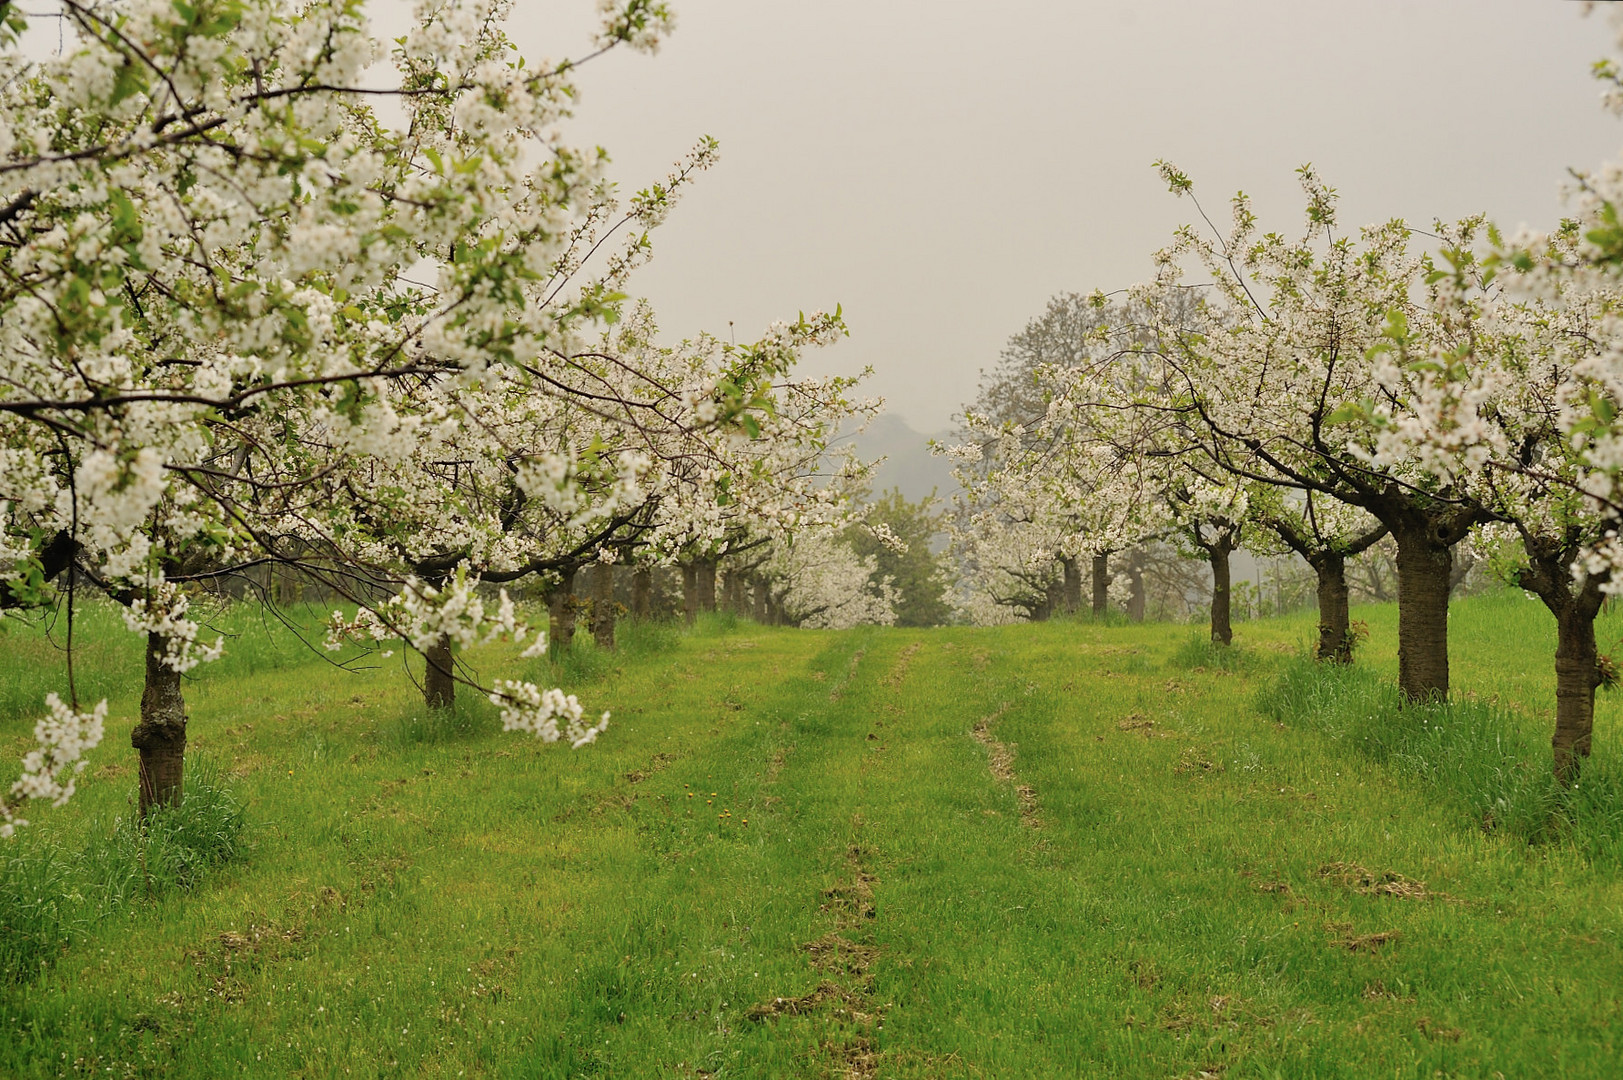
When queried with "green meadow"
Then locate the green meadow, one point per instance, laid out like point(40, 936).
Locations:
point(1046, 850)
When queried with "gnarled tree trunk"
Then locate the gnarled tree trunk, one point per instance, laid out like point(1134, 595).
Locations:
point(439, 684)
point(161, 734)
point(603, 605)
point(1335, 630)
point(1073, 585)
point(1101, 585)
point(1424, 565)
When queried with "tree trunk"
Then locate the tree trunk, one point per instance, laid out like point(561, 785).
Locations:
point(1460, 571)
point(642, 593)
point(561, 613)
point(1335, 632)
point(1222, 625)
point(1101, 585)
point(690, 592)
point(1423, 583)
point(763, 611)
point(1054, 599)
point(439, 687)
point(1577, 674)
point(1135, 593)
point(1073, 585)
point(1577, 661)
point(603, 605)
point(161, 735)
point(735, 592)
point(707, 585)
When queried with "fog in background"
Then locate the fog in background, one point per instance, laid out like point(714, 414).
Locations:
point(942, 169)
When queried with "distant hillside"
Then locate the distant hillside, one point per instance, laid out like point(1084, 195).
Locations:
point(908, 463)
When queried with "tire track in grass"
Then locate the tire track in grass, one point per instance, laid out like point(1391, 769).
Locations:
point(1000, 760)
point(846, 957)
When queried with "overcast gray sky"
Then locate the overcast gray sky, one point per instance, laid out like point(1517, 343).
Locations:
point(941, 169)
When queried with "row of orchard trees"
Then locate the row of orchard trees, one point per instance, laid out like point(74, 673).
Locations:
point(1315, 392)
point(271, 293)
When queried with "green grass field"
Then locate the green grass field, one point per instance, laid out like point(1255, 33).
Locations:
point(1038, 851)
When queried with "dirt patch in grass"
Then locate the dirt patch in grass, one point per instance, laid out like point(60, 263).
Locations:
point(803, 1005)
point(835, 954)
point(846, 1005)
point(596, 804)
point(1431, 1030)
point(903, 659)
point(1373, 883)
point(657, 763)
point(1379, 991)
point(1192, 762)
point(1000, 760)
point(1142, 724)
point(222, 959)
point(850, 673)
point(1342, 937)
point(775, 766)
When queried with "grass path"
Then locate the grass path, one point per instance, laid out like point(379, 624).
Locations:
point(1037, 851)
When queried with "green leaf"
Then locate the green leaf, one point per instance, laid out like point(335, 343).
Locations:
point(1345, 413)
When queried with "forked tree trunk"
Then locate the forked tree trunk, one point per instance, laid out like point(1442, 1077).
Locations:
point(707, 585)
point(1335, 631)
point(1222, 625)
point(561, 614)
point(1424, 565)
point(603, 605)
point(1073, 585)
point(439, 685)
point(160, 736)
point(690, 592)
point(1101, 585)
point(642, 593)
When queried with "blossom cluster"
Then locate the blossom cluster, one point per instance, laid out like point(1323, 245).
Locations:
point(50, 770)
